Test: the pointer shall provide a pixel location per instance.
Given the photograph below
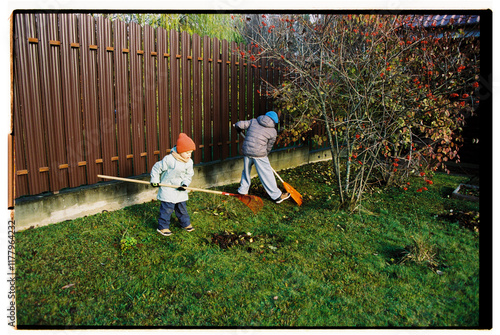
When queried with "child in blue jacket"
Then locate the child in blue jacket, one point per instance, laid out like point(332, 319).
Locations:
point(175, 168)
point(259, 140)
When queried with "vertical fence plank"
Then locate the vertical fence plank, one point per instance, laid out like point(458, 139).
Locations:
point(36, 119)
point(150, 96)
point(270, 86)
point(186, 84)
point(137, 98)
point(163, 91)
point(260, 86)
point(242, 87)
point(265, 85)
point(175, 112)
point(89, 97)
point(277, 77)
point(121, 57)
point(224, 111)
point(50, 76)
point(272, 78)
point(28, 74)
point(275, 81)
point(216, 70)
point(250, 71)
point(207, 99)
point(282, 80)
point(276, 84)
point(106, 97)
point(70, 81)
point(197, 98)
point(21, 180)
point(234, 97)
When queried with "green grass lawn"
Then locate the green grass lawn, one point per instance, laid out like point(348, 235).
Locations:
point(397, 263)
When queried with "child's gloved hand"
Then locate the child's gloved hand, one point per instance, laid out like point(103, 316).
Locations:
point(181, 188)
point(155, 185)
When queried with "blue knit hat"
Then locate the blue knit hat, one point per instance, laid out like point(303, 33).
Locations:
point(273, 116)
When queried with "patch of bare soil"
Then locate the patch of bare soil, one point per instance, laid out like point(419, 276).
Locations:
point(230, 239)
point(469, 220)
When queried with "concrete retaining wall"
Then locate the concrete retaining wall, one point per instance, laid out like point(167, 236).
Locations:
point(36, 211)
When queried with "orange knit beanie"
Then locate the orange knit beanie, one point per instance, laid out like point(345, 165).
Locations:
point(185, 143)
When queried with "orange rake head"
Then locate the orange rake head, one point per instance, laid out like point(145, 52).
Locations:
point(296, 196)
point(251, 201)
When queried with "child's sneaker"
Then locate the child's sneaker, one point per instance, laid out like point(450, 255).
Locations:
point(283, 197)
point(189, 228)
point(164, 232)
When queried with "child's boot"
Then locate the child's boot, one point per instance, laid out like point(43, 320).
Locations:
point(164, 232)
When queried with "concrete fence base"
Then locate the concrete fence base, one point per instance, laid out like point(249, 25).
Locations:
point(42, 210)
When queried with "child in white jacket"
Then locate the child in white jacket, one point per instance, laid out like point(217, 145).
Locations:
point(175, 168)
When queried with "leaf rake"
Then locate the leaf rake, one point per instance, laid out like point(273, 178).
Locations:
point(251, 201)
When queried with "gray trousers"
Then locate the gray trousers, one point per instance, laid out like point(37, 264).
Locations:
point(266, 176)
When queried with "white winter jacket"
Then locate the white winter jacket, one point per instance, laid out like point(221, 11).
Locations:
point(171, 171)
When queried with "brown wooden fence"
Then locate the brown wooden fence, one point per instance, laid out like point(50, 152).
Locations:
point(95, 96)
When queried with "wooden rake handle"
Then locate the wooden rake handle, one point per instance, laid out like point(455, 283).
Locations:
point(166, 185)
point(277, 175)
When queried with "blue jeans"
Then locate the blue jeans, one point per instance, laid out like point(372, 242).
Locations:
point(166, 210)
